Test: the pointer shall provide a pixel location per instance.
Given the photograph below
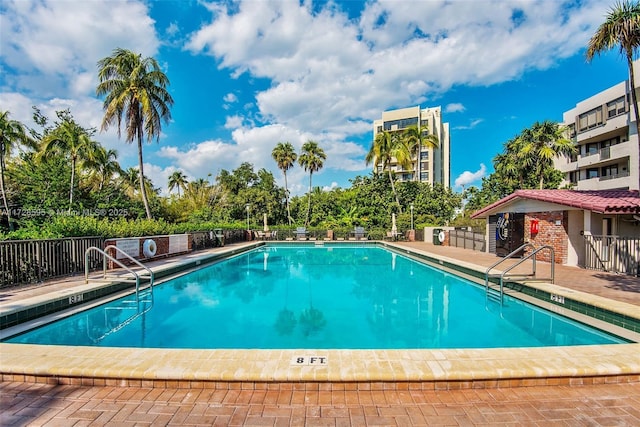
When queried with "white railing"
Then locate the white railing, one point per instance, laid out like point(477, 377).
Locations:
point(615, 254)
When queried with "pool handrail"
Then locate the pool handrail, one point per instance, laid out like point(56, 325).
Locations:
point(526, 257)
point(106, 256)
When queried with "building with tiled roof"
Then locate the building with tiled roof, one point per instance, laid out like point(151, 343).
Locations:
point(593, 229)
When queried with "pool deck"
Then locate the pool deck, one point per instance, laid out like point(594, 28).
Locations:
point(383, 377)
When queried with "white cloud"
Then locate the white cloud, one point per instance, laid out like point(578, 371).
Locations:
point(233, 122)
point(50, 56)
point(466, 177)
point(330, 71)
point(230, 97)
point(455, 107)
point(472, 124)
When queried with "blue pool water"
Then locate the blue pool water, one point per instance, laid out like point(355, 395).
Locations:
point(340, 297)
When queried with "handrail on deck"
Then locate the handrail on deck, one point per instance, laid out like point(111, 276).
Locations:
point(106, 256)
point(533, 273)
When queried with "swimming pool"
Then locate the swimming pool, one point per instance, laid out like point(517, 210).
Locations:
point(327, 297)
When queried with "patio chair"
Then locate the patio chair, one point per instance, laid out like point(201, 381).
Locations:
point(360, 233)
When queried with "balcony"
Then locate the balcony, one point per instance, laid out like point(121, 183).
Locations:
point(613, 125)
point(618, 151)
point(609, 182)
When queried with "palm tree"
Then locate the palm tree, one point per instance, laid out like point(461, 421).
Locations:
point(129, 180)
point(12, 132)
point(311, 159)
point(136, 93)
point(510, 164)
point(387, 146)
point(417, 137)
point(104, 165)
point(285, 156)
point(541, 144)
point(622, 28)
point(69, 138)
point(177, 180)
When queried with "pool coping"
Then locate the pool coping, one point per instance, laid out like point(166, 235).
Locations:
point(311, 369)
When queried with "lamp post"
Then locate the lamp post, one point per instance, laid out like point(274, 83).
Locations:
point(411, 216)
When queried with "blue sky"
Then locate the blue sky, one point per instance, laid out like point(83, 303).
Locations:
point(246, 75)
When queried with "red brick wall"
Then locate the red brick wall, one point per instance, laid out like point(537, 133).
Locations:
point(552, 231)
point(162, 249)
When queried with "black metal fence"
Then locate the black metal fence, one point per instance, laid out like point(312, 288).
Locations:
point(32, 261)
point(613, 254)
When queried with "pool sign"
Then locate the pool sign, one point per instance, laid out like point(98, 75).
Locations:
point(309, 360)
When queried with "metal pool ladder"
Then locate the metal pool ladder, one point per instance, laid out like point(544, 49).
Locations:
point(490, 292)
point(106, 256)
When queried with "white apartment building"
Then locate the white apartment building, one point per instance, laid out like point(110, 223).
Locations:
point(604, 128)
point(433, 163)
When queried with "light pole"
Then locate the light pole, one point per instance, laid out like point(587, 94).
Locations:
point(247, 207)
point(412, 216)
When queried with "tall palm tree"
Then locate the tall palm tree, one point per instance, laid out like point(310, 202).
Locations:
point(541, 144)
point(285, 156)
point(621, 28)
point(69, 139)
point(311, 159)
point(417, 137)
point(12, 132)
point(177, 180)
point(135, 92)
point(388, 146)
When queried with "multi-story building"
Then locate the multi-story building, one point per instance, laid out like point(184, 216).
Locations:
point(433, 163)
point(604, 129)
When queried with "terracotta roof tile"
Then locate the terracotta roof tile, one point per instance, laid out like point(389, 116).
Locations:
point(601, 201)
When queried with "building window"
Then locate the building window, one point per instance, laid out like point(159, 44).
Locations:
point(424, 155)
point(610, 142)
point(610, 171)
point(590, 119)
point(573, 177)
point(615, 108)
point(591, 149)
point(424, 166)
point(407, 176)
point(424, 176)
point(592, 173)
point(400, 123)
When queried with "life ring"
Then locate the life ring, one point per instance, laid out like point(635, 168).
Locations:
point(441, 236)
point(149, 248)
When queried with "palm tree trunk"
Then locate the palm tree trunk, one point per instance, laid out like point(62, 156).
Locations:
point(286, 196)
point(306, 224)
point(73, 176)
point(143, 190)
point(4, 193)
point(393, 188)
point(634, 99)
point(417, 177)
